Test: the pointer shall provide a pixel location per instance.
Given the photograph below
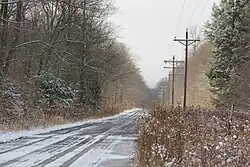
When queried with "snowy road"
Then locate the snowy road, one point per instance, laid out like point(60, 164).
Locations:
point(100, 143)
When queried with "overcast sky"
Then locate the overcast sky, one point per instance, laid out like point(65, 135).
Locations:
point(149, 26)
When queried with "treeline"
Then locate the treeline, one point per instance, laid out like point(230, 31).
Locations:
point(228, 32)
point(65, 52)
point(219, 69)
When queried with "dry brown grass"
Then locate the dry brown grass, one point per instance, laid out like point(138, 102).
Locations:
point(194, 138)
point(11, 120)
point(109, 111)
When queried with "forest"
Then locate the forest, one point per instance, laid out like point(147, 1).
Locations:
point(61, 60)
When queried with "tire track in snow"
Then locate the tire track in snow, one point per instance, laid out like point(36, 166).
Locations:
point(17, 144)
point(24, 152)
point(72, 156)
point(124, 121)
point(99, 152)
point(70, 146)
point(70, 129)
point(86, 143)
point(23, 145)
point(80, 151)
point(104, 150)
point(37, 157)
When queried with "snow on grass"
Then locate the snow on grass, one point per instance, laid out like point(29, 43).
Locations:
point(7, 136)
point(194, 136)
point(121, 138)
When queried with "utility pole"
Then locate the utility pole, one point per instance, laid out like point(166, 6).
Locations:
point(233, 8)
point(186, 42)
point(168, 90)
point(122, 88)
point(115, 93)
point(174, 65)
point(163, 95)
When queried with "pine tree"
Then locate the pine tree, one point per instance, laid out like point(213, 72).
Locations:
point(225, 32)
point(240, 79)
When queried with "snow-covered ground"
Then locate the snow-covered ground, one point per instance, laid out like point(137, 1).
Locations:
point(92, 143)
point(7, 136)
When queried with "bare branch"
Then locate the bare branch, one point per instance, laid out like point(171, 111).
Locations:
point(44, 43)
point(12, 2)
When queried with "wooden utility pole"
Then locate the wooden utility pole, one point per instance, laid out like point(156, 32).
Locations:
point(186, 42)
point(115, 93)
point(122, 88)
point(163, 95)
point(174, 65)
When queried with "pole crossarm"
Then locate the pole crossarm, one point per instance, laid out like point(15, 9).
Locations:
point(174, 64)
point(174, 68)
point(189, 40)
point(186, 42)
point(170, 61)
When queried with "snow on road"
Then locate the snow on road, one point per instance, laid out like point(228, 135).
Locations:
point(107, 142)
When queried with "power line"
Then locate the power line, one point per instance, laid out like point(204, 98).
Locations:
point(196, 4)
point(172, 47)
point(202, 13)
point(204, 7)
point(180, 18)
point(186, 42)
point(174, 64)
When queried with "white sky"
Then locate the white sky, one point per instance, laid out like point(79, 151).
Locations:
point(149, 26)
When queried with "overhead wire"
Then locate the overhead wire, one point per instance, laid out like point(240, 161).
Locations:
point(180, 18)
point(202, 13)
point(194, 29)
point(170, 47)
point(195, 7)
point(201, 16)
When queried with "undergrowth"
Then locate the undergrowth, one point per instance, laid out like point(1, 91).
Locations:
point(43, 117)
point(22, 107)
point(171, 137)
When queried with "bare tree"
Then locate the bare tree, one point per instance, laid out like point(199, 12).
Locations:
point(72, 39)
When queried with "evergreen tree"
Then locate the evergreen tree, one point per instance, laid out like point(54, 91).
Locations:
point(225, 32)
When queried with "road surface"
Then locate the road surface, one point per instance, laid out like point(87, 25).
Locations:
point(104, 143)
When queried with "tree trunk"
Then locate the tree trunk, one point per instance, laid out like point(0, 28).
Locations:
point(15, 36)
point(82, 78)
point(4, 15)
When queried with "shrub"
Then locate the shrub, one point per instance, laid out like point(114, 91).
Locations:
point(54, 89)
point(195, 137)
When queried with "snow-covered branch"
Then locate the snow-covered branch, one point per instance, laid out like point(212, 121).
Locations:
point(11, 2)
